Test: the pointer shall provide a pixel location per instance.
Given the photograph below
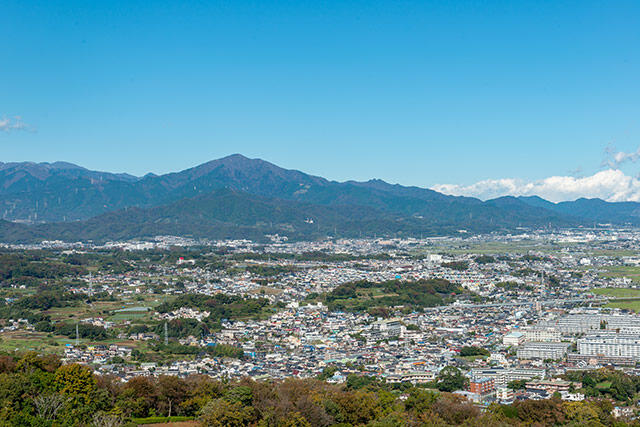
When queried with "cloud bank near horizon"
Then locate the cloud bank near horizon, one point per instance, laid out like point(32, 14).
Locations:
point(611, 185)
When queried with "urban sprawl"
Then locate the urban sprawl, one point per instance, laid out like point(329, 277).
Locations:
point(524, 310)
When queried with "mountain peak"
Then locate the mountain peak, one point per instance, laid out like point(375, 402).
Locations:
point(236, 157)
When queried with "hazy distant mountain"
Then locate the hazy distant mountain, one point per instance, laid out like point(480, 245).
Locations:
point(237, 196)
point(61, 191)
point(595, 210)
point(228, 213)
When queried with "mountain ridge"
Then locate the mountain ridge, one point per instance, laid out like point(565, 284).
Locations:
point(51, 195)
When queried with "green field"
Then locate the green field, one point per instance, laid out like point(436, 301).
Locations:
point(612, 252)
point(130, 315)
point(32, 341)
point(620, 293)
point(617, 292)
point(625, 305)
point(628, 271)
point(491, 248)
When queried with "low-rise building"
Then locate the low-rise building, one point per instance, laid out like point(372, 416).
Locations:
point(552, 386)
point(543, 350)
point(482, 386)
point(513, 338)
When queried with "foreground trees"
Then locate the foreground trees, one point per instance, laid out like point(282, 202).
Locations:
point(37, 390)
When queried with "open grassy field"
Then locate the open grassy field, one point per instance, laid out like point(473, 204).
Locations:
point(617, 292)
point(22, 340)
point(604, 385)
point(613, 252)
point(625, 305)
point(32, 341)
point(130, 315)
point(490, 248)
point(106, 309)
point(473, 358)
point(628, 271)
point(83, 310)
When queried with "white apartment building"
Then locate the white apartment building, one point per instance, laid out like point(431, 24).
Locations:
point(538, 334)
point(584, 323)
point(388, 328)
point(503, 376)
point(543, 350)
point(608, 343)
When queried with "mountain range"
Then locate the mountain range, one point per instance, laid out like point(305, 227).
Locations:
point(238, 197)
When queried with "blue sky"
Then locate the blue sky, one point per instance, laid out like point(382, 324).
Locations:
point(419, 93)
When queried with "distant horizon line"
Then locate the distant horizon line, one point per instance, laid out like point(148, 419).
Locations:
point(439, 188)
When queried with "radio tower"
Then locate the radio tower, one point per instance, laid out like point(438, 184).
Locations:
point(166, 334)
point(77, 336)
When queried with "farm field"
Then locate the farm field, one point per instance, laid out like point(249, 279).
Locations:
point(630, 272)
point(625, 305)
point(617, 292)
point(18, 341)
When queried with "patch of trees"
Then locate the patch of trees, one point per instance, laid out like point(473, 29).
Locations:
point(484, 259)
point(217, 350)
point(180, 328)
point(517, 384)
point(606, 383)
point(270, 270)
point(530, 257)
point(514, 286)
point(31, 268)
point(556, 412)
point(225, 350)
point(47, 299)
point(9, 311)
point(355, 296)
point(524, 272)
point(451, 379)
point(474, 351)
point(220, 306)
point(456, 265)
point(85, 330)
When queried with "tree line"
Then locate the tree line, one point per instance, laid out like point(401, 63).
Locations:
point(37, 390)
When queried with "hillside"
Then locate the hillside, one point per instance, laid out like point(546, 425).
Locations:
point(228, 213)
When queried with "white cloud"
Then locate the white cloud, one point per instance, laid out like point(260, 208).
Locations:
point(610, 184)
point(12, 124)
point(615, 158)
